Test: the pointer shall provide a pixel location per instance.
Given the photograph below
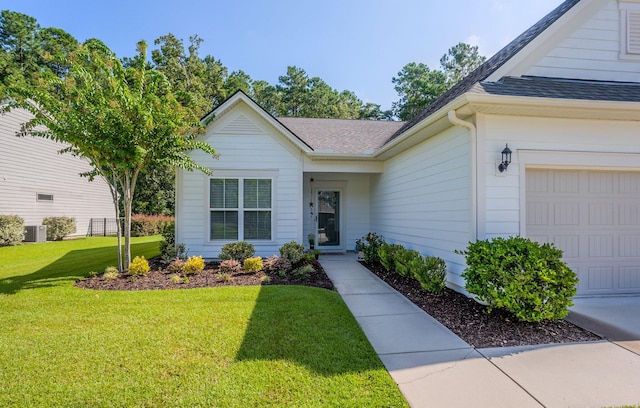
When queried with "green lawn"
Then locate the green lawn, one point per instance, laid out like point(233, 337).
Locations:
point(222, 347)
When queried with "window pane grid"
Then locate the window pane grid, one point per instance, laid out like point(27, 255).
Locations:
point(225, 202)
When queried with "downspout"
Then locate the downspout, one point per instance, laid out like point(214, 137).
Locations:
point(455, 120)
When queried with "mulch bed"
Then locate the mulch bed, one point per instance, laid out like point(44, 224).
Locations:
point(158, 278)
point(465, 317)
point(474, 324)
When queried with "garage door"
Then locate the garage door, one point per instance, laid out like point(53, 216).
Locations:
point(594, 218)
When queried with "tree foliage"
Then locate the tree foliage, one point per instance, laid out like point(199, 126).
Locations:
point(122, 119)
point(418, 86)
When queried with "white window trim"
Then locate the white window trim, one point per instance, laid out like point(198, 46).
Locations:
point(241, 175)
point(627, 7)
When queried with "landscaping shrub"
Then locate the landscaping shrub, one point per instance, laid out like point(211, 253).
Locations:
point(369, 245)
point(144, 225)
point(387, 254)
point(139, 266)
point(239, 251)
point(176, 266)
point(194, 264)
point(303, 272)
point(175, 278)
point(526, 278)
point(277, 265)
point(168, 247)
point(431, 272)
point(252, 264)
point(11, 230)
point(59, 227)
point(292, 251)
point(404, 259)
point(230, 266)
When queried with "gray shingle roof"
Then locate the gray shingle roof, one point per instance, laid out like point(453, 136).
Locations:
point(341, 136)
point(560, 88)
point(491, 65)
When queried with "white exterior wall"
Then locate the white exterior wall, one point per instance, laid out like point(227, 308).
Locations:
point(543, 143)
point(355, 209)
point(30, 165)
point(423, 199)
point(592, 51)
point(248, 147)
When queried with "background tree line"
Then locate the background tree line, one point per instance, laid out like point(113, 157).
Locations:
point(201, 83)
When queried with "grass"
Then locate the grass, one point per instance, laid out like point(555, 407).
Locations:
point(223, 347)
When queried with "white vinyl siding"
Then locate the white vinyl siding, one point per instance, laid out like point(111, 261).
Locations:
point(595, 50)
point(36, 181)
point(249, 148)
point(423, 199)
point(584, 146)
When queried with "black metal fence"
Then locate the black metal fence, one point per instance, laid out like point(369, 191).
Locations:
point(103, 227)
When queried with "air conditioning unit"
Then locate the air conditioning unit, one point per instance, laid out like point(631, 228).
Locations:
point(35, 233)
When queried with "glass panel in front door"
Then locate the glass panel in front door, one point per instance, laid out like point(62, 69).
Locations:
point(328, 218)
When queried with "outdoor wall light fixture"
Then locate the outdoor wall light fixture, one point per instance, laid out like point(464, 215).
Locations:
point(506, 159)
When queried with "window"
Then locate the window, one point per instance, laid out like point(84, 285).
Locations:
point(44, 197)
point(240, 213)
point(630, 30)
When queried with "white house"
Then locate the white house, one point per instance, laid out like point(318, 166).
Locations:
point(36, 181)
point(564, 96)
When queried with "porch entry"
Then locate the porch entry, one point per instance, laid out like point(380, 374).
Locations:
point(329, 219)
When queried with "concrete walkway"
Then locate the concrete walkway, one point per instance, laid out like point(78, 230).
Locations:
point(435, 368)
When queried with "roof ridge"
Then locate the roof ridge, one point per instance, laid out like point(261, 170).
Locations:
point(491, 65)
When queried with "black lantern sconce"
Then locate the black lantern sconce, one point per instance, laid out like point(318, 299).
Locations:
point(506, 159)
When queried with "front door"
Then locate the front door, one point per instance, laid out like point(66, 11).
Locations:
point(329, 224)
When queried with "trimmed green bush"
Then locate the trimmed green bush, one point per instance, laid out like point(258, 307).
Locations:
point(404, 259)
point(369, 245)
point(431, 272)
point(387, 254)
point(59, 227)
point(11, 230)
point(238, 251)
point(292, 251)
point(526, 278)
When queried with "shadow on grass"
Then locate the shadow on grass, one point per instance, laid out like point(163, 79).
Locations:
point(308, 326)
point(74, 265)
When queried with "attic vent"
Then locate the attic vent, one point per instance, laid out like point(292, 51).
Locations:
point(242, 125)
point(44, 197)
point(633, 32)
point(629, 29)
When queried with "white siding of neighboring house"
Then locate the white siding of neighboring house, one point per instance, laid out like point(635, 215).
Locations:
point(546, 143)
point(248, 146)
point(423, 199)
point(29, 166)
point(355, 197)
point(591, 51)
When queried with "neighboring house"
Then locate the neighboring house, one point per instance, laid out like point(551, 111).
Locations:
point(564, 96)
point(36, 181)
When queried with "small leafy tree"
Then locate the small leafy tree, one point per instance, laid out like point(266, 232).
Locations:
point(121, 119)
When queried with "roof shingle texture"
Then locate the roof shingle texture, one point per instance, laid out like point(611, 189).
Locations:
point(560, 88)
point(342, 136)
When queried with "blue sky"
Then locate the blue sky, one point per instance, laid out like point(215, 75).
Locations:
point(359, 45)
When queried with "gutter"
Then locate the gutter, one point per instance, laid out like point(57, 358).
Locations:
point(473, 132)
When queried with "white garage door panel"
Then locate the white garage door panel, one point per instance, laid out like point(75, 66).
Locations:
point(594, 218)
